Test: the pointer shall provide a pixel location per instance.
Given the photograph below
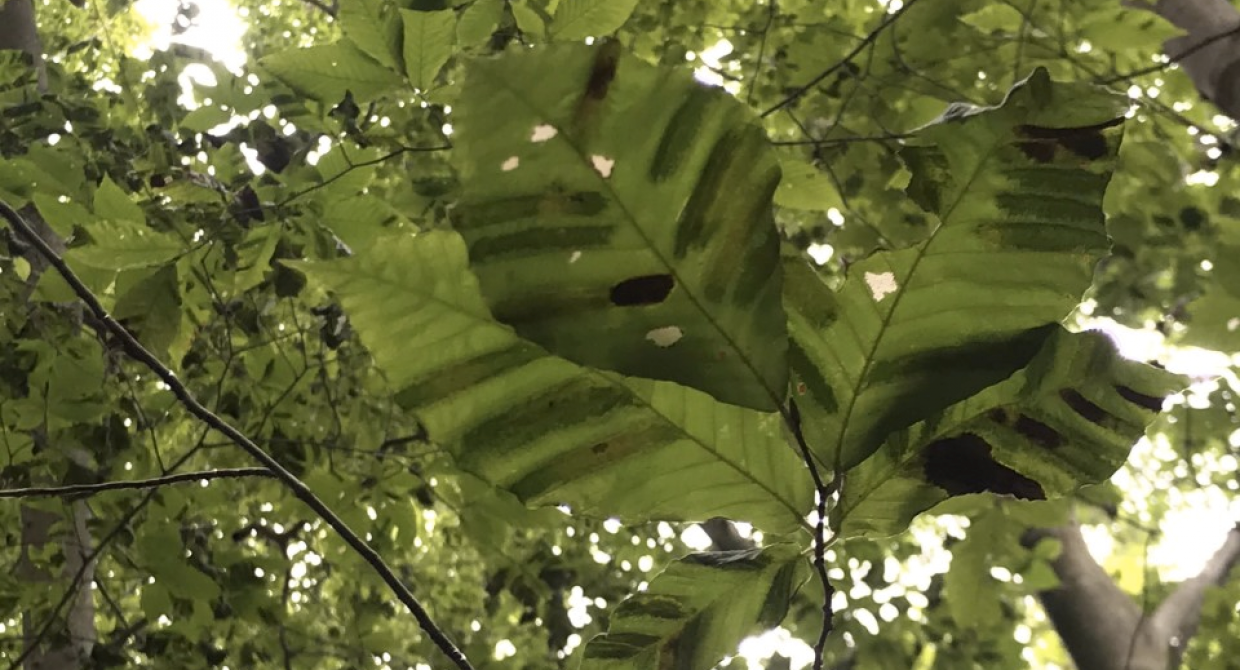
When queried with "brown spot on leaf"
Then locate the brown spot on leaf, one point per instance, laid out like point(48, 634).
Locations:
point(1079, 404)
point(963, 464)
point(1088, 142)
point(997, 415)
point(644, 290)
point(801, 388)
point(604, 70)
point(599, 448)
point(1152, 403)
point(1039, 433)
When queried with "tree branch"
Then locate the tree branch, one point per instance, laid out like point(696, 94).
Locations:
point(154, 482)
point(1177, 617)
point(865, 42)
point(1094, 618)
point(298, 488)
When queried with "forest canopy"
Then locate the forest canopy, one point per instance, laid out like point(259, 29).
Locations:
point(619, 334)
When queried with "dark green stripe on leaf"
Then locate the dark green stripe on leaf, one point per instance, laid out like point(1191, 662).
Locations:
point(808, 374)
point(446, 382)
point(1148, 402)
point(536, 241)
point(618, 646)
point(679, 137)
point(575, 401)
point(655, 606)
point(1038, 432)
point(567, 466)
point(1082, 406)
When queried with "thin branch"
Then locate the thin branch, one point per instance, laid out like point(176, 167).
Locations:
point(329, 9)
point(821, 491)
point(298, 488)
point(33, 643)
point(354, 166)
point(772, 10)
point(865, 42)
point(1171, 60)
point(154, 482)
point(841, 140)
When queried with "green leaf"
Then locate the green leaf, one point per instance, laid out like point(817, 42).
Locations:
point(428, 44)
point(479, 21)
point(698, 610)
point(123, 244)
point(1215, 320)
point(254, 257)
point(114, 204)
point(546, 429)
point(151, 309)
point(579, 19)
point(155, 601)
point(1017, 191)
point(374, 27)
point(528, 20)
point(1068, 419)
point(620, 216)
point(972, 595)
point(63, 217)
point(804, 187)
point(327, 72)
point(205, 118)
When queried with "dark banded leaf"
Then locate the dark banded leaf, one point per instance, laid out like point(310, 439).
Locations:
point(547, 429)
point(698, 610)
point(1017, 192)
point(1067, 419)
point(619, 215)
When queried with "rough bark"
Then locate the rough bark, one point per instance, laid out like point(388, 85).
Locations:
point(1210, 51)
point(17, 32)
point(1103, 628)
point(67, 644)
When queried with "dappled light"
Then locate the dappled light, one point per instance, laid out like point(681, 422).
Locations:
point(615, 335)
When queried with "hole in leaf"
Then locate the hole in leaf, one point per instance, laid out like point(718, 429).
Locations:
point(644, 290)
point(963, 464)
point(1079, 404)
point(1149, 402)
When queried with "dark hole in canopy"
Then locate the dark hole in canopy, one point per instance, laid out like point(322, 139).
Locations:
point(644, 290)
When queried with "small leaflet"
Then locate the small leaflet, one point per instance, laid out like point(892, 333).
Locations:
point(603, 165)
point(881, 284)
point(510, 164)
point(543, 132)
point(666, 336)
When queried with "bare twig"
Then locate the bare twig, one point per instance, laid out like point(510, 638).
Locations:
point(298, 488)
point(154, 482)
point(865, 42)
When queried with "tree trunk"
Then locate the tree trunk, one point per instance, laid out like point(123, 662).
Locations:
point(67, 644)
point(1210, 53)
point(1103, 628)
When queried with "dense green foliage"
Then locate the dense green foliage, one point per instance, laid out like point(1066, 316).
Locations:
point(457, 266)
